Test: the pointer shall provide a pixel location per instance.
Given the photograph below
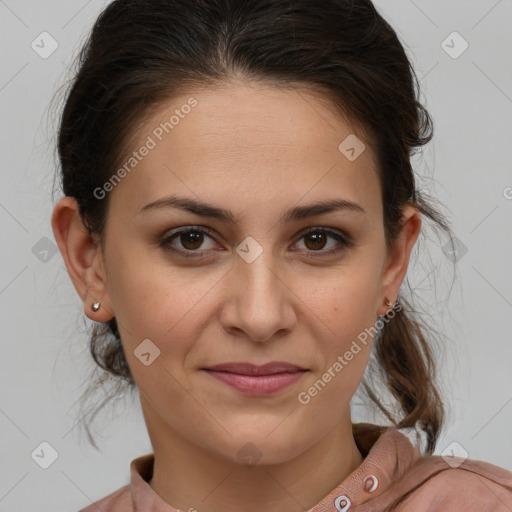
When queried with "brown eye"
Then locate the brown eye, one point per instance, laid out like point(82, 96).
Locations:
point(318, 241)
point(191, 240)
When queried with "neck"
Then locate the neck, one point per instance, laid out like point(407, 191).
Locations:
point(190, 478)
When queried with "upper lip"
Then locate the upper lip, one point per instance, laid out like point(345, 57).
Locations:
point(251, 369)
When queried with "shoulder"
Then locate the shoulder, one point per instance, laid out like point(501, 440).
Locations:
point(118, 501)
point(468, 485)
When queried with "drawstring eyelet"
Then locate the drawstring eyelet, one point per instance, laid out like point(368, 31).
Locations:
point(370, 483)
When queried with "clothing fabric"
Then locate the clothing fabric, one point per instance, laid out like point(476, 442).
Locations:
point(393, 476)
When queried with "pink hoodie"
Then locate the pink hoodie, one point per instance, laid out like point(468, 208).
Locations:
point(393, 474)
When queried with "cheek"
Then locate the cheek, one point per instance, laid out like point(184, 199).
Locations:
point(326, 400)
point(168, 305)
point(347, 311)
point(346, 302)
point(345, 351)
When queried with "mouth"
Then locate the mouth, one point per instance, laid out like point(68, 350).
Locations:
point(257, 380)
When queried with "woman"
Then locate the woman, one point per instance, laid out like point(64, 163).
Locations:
point(239, 215)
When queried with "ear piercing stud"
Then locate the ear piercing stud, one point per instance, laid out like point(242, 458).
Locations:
point(389, 304)
point(95, 306)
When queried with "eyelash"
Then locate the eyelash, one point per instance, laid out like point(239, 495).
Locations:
point(166, 242)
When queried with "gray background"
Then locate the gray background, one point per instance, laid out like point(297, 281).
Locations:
point(45, 359)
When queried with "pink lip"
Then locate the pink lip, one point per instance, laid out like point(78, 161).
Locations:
point(257, 380)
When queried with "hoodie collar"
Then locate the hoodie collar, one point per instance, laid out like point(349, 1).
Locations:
point(387, 453)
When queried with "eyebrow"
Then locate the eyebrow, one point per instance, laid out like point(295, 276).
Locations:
point(208, 210)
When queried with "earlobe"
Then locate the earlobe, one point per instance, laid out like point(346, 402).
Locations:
point(398, 259)
point(83, 258)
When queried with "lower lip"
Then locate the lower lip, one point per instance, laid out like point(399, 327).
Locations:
point(257, 384)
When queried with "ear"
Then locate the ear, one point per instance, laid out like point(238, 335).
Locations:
point(83, 258)
point(397, 261)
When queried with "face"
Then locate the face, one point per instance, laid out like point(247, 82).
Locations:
point(256, 278)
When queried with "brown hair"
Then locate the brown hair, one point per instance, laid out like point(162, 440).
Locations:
point(141, 52)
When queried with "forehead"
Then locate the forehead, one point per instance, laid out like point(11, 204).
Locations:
point(250, 139)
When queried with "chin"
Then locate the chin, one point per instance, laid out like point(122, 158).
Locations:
point(255, 447)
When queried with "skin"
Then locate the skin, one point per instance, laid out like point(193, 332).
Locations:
point(256, 150)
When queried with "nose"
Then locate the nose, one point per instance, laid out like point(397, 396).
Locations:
point(259, 300)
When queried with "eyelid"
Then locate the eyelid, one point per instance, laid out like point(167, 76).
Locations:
point(327, 229)
point(175, 233)
point(340, 235)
